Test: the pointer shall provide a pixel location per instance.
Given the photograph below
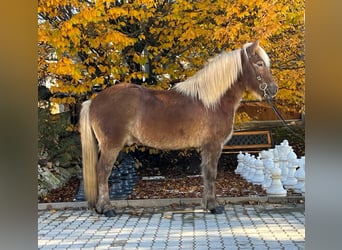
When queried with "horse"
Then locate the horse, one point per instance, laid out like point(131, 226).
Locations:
point(196, 113)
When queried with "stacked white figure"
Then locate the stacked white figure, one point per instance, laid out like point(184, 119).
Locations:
point(274, 169)
point(240, 165)
point(300, 176)
point(303, 164)
point(252, 169)
point(268, 165)
point(283, 150)
point(259, 176)
point(263, 156)
point(276, 188)
point(275, 152)
point(245, 170)
point(291, 180)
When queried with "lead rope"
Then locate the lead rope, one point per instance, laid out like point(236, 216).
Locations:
point(274, 108)
point(263, 86)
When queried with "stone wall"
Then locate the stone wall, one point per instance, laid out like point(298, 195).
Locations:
point(52, 176)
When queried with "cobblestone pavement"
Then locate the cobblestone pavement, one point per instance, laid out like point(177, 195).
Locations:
point(268, 226)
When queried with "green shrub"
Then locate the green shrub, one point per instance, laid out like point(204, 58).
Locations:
point(56, 142)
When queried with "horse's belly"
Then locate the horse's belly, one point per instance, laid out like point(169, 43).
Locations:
point(169, 138)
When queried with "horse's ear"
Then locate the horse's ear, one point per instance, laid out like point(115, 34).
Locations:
point(256, 43)
point(251, 49)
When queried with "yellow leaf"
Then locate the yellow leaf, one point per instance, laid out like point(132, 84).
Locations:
point(102, 68)
point(91, 70)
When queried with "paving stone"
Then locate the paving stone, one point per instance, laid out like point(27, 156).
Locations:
point(239, 227)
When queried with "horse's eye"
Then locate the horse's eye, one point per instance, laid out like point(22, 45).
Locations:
point(260, 63)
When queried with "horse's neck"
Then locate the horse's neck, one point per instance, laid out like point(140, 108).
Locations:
point(231, 99)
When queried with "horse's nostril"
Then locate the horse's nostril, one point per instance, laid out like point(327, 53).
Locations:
point(274, 88)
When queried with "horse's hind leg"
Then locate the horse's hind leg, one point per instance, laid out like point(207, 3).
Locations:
point(210, 155)
point(103, 168)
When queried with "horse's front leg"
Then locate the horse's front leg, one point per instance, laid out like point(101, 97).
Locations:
point(210, 155)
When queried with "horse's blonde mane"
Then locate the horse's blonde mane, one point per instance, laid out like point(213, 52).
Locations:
point(210, 83)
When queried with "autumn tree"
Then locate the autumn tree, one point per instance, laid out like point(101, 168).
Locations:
point(83, 43)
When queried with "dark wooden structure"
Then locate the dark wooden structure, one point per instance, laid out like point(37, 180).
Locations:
point(248, 141)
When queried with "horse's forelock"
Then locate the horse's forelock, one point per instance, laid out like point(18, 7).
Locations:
point(262, 53)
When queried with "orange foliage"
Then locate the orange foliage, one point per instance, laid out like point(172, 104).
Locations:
point(97, 42)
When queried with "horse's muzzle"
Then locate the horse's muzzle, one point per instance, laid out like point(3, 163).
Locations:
point(272, 89)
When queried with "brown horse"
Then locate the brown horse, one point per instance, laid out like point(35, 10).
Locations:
point(197, 113)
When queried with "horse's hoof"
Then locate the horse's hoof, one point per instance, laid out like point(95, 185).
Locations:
point(110, 213)
point(98, 211)
point(217, 210)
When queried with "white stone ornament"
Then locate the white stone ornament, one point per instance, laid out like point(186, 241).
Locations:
point(303, 162)
point(276, 156)
point(300, 176)
point(291, 180)
point(276, 188)
point(245, 170)
point(268, 165)
point(284, 149)
point(240, 165)
point(274, 169)
point(252, 169)
point(259, 176)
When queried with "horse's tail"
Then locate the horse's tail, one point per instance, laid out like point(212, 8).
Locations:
point(89, 155)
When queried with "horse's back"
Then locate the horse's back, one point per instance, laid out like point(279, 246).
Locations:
point(114, 98)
